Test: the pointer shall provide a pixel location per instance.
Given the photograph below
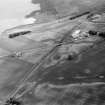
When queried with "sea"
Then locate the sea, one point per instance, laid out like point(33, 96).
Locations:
point(13, 13)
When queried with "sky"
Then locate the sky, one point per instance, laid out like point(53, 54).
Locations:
point(13, 12)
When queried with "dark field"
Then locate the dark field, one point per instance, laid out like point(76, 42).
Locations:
point(70, 83)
